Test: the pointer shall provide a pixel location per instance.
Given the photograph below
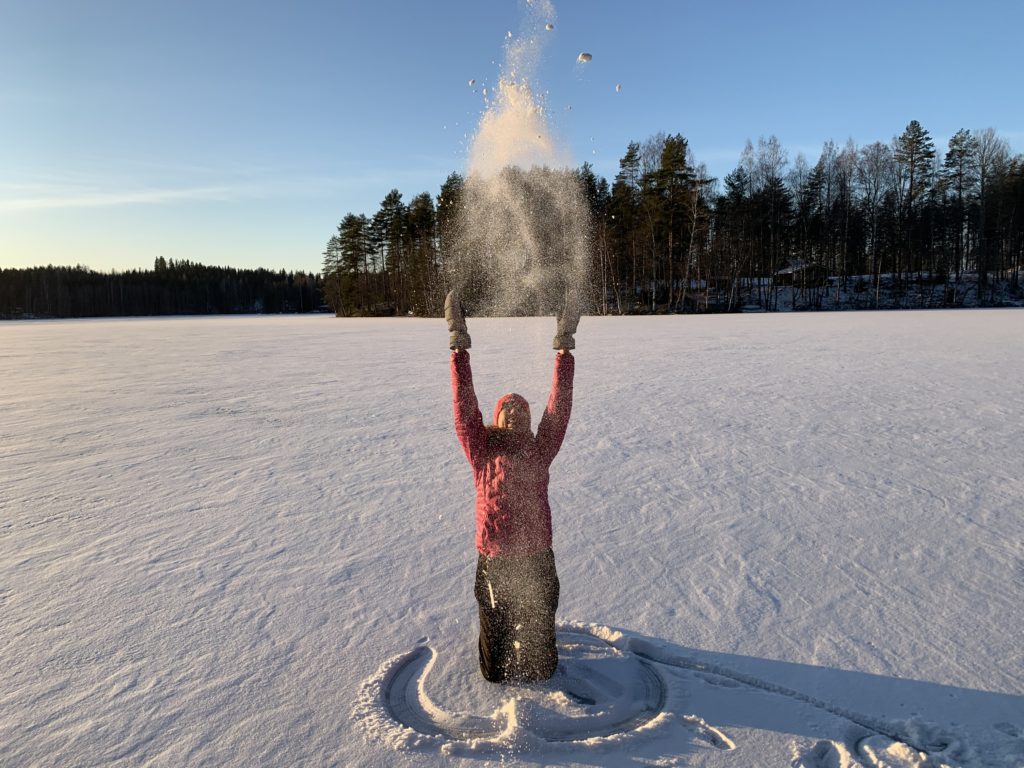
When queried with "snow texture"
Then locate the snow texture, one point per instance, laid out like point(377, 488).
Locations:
point(782, 540)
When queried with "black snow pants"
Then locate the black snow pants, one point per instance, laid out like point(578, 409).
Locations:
point(517, 597)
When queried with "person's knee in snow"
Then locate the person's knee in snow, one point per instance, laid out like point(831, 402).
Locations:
point(517, 585)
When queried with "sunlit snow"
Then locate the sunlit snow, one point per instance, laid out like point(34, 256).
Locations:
point(782, 540)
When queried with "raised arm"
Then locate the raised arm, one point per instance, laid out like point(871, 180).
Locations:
point(554, 422)
point(469, 424)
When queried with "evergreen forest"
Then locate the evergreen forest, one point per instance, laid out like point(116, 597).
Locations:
point(899, 224)
point(170, 288)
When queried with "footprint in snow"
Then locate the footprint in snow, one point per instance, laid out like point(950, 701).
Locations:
point(826, 754)
point(1009, 729)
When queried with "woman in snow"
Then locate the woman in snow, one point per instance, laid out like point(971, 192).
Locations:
point(516, 582)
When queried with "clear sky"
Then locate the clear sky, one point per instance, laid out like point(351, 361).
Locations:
point(239, 133)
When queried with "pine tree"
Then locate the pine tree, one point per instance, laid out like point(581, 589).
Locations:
point(354, 247)
point(914, 152)
point(390, 233)
point(598, 197)
point(624, 211)
point(960, 180)
point(332, 276)
point(449, 203)
point(426, 297)
point(674, 185)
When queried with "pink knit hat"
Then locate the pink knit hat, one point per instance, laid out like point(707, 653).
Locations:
point(511, 397)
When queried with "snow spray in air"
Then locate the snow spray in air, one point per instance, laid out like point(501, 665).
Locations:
point(522, 232)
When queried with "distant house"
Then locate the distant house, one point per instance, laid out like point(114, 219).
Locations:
point(802, 274)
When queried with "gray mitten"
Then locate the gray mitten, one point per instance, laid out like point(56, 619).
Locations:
point(568, 319)
point(458, 336)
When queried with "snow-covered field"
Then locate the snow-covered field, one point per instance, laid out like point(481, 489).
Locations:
point(783, 540)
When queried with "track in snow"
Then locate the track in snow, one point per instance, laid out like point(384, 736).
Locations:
point(598, 691)
point(876, 741)
point(612, 686)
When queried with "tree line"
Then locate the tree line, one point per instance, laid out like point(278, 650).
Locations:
point(170, 288)
point(887, 224)
point(882, 225)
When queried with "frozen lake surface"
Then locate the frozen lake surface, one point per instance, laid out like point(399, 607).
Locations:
point(783, 540)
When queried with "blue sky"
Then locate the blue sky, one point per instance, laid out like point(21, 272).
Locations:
point(240, 133)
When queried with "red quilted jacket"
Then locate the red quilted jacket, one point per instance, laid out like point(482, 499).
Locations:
point(513, 517)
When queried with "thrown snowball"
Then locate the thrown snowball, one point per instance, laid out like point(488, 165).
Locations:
point(618, 89)
point(472, 82)
point(584, 57)
point(549, 27)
